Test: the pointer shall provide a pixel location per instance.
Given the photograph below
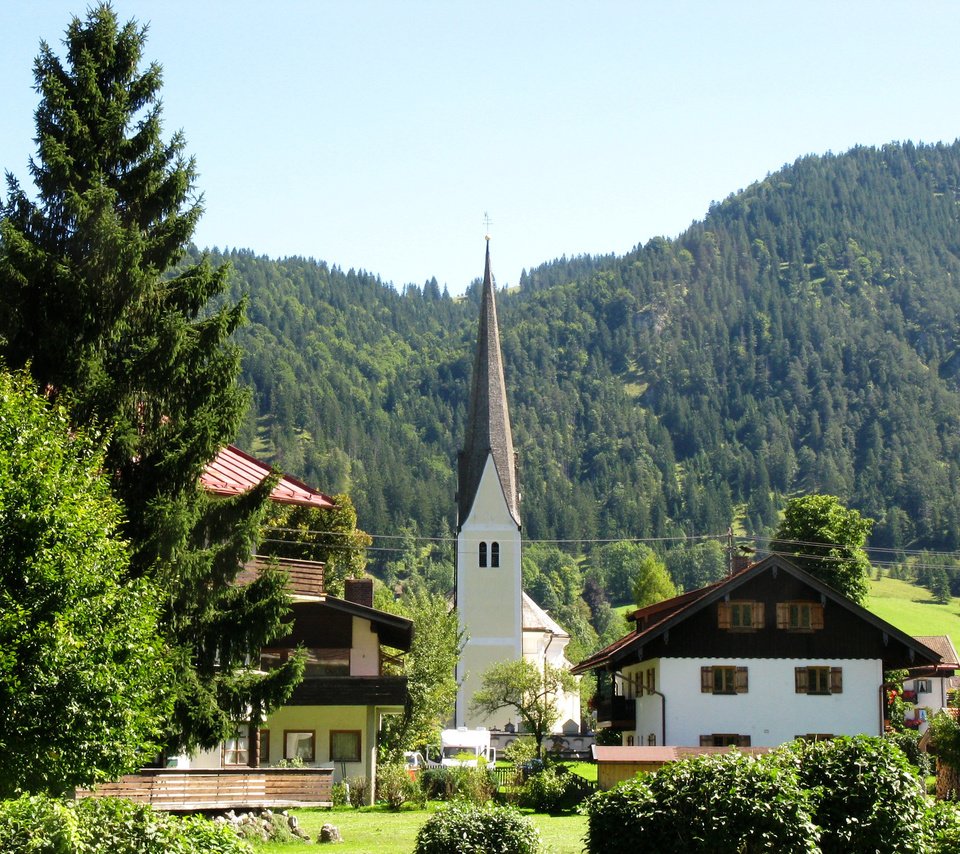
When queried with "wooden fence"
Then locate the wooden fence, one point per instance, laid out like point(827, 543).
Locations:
point(176, 790)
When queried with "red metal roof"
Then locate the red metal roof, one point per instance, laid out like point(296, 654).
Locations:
point(613, 754)
point(233, 472)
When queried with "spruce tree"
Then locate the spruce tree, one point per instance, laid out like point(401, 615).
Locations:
point(98, 303)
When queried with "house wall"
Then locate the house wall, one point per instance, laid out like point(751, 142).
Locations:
point(771, 712)
point(320, 719)
point(488, 598)
point(537, 647)
point(365, 652)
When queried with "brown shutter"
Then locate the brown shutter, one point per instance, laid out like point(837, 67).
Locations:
point(723, 615)
point(783, 615)
point(740, 680)
point(800, 677)
point(816, 616)
point(758, 622)
point(706, 680)
point(836, 680)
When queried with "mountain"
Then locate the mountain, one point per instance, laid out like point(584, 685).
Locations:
point(802, 338)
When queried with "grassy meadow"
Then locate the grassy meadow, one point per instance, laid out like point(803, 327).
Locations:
point(375, 830)
point(911, 608)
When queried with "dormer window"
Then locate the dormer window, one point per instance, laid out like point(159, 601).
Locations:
point(494, 554)
point(800, 616)
point(740, 616)
point(483, 554)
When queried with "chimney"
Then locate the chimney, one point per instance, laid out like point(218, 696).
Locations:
point(359, 591)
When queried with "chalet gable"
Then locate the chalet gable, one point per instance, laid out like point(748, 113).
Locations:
point(772, 609)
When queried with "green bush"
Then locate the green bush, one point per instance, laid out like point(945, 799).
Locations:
point(943, 827)
point(554, 790)
point(357, 791)
point(339, 794)
point(866, 796)
point(464, 828)
point(395, 787)
point(725, 802)
point(909, 742)
point(43, 825)
point(520, 750)
point(38, 824)
point(476, 785)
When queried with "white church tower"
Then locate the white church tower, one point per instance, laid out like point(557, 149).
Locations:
point(488, 593)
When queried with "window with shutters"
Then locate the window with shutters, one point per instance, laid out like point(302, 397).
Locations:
point(740, 616)
point(724, 739)
point(819, 680)
point(723, 680)
point(800, 616)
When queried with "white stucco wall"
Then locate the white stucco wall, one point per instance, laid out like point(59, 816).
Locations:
point(488, 598)
point(770, 712)
point(365, 652)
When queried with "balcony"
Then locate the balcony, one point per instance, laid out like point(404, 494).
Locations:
point(616, 712)
point(350, 691)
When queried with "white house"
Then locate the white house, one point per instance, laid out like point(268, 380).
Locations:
point(928, 687)
point(767, 655)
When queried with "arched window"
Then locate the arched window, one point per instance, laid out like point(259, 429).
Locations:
point(494, 554)
point(483, 554)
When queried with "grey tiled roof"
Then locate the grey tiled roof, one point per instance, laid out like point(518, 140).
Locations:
point(488, 418)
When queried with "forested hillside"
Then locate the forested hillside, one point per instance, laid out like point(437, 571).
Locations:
point(803, 337)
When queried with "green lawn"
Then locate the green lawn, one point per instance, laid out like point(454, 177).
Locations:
point(912, 609)
point(378, 831)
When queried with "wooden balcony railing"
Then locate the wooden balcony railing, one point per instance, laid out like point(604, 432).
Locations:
point(179, 790)
point(617, 712)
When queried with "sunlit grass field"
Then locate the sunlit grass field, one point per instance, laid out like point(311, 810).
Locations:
point(911, 608)
point(379, 831)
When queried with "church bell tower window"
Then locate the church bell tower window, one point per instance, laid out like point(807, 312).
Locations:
point(483, 554)
point(495, 554)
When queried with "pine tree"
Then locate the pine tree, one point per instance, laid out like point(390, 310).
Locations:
point(96, 302)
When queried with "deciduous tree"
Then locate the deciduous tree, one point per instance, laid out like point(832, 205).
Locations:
point(83, 670)
point(826, 539)
point(429, 668)
point(526, 690)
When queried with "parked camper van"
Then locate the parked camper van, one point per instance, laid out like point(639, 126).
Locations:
point(462, 747)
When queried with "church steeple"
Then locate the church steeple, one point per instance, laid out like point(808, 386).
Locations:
point(488, 421)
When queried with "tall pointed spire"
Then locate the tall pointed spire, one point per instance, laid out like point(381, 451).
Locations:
point(488, 419)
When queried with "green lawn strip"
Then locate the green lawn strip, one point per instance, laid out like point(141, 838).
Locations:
point(912, 610)
point(378, 831)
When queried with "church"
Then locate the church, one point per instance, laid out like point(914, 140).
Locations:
point(500, 621)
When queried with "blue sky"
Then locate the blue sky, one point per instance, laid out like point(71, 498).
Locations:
point(376, 135)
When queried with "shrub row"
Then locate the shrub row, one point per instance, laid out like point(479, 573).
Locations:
point(466, 828)
point(845, 795)
point(33, 824)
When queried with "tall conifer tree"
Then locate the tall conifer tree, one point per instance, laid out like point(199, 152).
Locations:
point(97, 302)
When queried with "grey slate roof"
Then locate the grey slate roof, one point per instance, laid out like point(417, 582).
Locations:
point(488, 419)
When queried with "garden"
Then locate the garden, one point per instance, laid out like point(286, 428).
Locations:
point(850, 794)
